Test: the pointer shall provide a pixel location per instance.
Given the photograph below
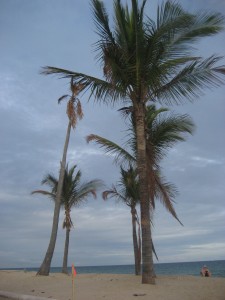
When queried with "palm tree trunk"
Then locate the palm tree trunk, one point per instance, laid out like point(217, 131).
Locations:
point(66, 250)
point(135, 243)
point(147, 258)
point(45, 266)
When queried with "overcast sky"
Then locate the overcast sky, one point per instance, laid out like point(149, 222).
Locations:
point(60, 33)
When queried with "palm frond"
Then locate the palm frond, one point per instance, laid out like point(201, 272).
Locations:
point(191, 80)
point(114, 193)
point(178, 29)
point(129, 184)
point(111, 148)
point(51, 181)
point(102, 90)
point(81, 193)
point(165, 131)
point(101, 21)
point(46, 193)
point(166, 193)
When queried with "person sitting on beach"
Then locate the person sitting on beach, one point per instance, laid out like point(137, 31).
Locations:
point(205, 271)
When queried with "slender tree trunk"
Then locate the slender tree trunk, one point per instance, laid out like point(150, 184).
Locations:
point(147, 258)
point(46, 264)
point(135, 243)
point(66, 250)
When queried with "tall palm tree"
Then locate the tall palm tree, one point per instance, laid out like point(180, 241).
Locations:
point(127, 192)
point(163, 130)
point(73, 194)
point(74, 112)
point(144, 61)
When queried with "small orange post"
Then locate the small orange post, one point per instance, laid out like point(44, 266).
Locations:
point(74, 273)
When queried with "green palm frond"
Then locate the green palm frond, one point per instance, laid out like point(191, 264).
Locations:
point(129, 184)
point(126, 190)
point(152, 113)
point(202, 24)
point(190, 81)
point(81, 194)
point(166, 193)
point(51, 181)
point(102, 90)
point(111, 148)
point(101, 20)
point(170, 12)
point(165, 131)
point(176, 30)
point(52, 196)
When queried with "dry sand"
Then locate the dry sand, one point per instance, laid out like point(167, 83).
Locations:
point(112, 287)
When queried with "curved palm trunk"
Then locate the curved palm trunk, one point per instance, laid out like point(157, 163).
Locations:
point(136, 243)
point(147, 258)
point(45, 266)
point(66, 250)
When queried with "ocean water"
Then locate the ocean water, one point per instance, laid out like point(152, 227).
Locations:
point(217, 268)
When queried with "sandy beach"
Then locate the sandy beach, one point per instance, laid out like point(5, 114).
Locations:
point(111, 287)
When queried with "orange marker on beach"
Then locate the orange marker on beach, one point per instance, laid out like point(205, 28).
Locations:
point(74, 273)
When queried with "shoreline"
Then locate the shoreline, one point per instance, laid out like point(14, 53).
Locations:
point(111, 286)
point(217, 267)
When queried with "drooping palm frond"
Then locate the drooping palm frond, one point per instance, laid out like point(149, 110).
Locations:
point(114, 193)
point(120, 154)
point(51, 181)
point(101, 89)
point(46, 193)
point(166, 193)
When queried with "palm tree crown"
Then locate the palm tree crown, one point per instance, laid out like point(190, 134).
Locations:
point(74, 192)
point(163, 131)
point(147, 60)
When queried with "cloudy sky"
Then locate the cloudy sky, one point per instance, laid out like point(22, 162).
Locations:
point(60, 33)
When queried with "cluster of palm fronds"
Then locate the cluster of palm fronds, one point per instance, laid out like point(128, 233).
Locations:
point(146, 61)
